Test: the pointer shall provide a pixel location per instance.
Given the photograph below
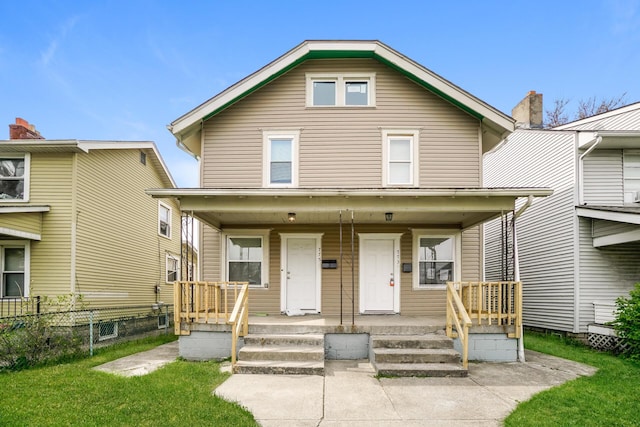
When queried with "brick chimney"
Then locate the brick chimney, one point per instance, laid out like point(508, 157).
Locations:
point(528, 113)
point(23, 130)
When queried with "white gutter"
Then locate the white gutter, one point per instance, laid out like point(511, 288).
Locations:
point(516, 271)
point(597, 140)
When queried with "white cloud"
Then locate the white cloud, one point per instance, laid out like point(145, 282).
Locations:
point(51, 50)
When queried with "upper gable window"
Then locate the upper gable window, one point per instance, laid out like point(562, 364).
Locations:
point(400, 158)
point(280, 158)
point(341, 90)
point(14, 177)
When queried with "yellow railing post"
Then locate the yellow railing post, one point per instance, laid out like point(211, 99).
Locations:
point(457, 313)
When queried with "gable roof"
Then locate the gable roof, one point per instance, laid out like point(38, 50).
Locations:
point(79, 146)
point(625, 118)
point(496, 125)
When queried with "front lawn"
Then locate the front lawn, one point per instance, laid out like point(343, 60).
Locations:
point(75, 395)
point(611, 397)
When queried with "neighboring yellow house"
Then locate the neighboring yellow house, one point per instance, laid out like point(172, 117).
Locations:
point(75, 221)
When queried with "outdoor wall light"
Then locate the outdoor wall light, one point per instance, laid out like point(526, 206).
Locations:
point(291, 216)
point(388, 216)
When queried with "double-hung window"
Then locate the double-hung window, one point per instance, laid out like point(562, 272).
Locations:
point(173, 268)
point(631, 169)
point(400, 158)
point(164, 220)
point(280, 158)
point(436, 256)
point(14, 176)
point(14, 261)
point(247, 257)
point(341, 90)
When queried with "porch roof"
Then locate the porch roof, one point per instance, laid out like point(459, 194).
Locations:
point(443, 207)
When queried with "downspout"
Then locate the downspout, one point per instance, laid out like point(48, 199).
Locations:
point(597, 140)
point(516, 271)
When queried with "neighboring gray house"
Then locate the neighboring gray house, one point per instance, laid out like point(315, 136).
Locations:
point(580, 248)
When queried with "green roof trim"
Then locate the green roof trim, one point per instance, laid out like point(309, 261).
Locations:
point(344, 54)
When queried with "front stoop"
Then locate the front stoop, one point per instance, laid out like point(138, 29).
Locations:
point(429, 355)
point(285, 354)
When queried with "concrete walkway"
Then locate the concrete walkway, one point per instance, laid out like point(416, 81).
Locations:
point(350, 395)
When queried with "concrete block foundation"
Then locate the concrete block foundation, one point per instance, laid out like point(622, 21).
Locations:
point(202, 345)
point(490, 347)
point(346, 346)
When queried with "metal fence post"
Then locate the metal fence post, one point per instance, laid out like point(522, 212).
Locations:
point(91, 333)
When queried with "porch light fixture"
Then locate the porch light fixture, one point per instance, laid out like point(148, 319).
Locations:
point(388, 216)
point(291, 216)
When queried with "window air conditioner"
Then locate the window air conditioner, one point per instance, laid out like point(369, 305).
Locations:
point(636, 196)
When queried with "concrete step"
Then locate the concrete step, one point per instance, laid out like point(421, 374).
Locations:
point(279, 367)
point(416, 355)
point(282, 352)
point(411, 341)
point(284, 339)
point(421, 369)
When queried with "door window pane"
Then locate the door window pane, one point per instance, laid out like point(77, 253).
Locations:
point(356, 93)
point(324, 93)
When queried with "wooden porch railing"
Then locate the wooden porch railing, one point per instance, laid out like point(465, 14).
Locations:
point(239, 320)
point(206, 302)
point(483, 303)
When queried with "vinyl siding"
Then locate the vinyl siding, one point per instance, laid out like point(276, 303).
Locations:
point(51, 183)
point(605, 228)
point(30, 222)
point(603, 178)
point(605, 273)
point(341, 147)
point(118, 246)
point(545, 231)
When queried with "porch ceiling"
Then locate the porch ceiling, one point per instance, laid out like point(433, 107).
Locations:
point(460, 208)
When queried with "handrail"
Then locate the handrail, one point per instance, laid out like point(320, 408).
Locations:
point(455, 314)
point(239, 320)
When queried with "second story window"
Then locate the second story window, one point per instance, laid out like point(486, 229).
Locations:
point(280, 158)
point(400, 158)
point(14, 174)
point(341, 90)
point(164, 220)
point(631, 176)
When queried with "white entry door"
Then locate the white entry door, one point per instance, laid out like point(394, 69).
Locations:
point(379, 273)
point(301, 273)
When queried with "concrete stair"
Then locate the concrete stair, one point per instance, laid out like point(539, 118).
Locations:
point(429, 355)
point(292, 354)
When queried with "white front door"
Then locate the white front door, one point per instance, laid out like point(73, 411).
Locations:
point(301, 273)
point(379, 273)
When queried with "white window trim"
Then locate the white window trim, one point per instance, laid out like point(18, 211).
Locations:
point(262, 233)
point(414, 134)
point(267, 136)
point(27, 265)
point(628, 194)
point(341, 79)
point(457, 256)
point(166, 267)
point(27, 175)
point(160, 206)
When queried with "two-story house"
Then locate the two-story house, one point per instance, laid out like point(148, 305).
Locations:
point(343, 178)
point(580, 248)
point(75, 222)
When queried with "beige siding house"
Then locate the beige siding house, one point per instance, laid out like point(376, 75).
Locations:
point(343, 177)
point(75, 221)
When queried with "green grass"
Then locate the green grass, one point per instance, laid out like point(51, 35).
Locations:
point(73, 394)
point(611, 397)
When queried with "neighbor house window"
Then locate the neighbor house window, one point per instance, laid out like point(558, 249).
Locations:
point(631, 176)
point(173, 268)
point(247, 257)
point(340, 90)
point(13, 268)
point(281, 158)
point(435, 256)
point(14, 175)
point(400, 158)
point(164, 220)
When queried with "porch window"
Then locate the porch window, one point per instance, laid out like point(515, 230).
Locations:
point(400, 158)
point(13, 268)
point(631, 168)
point(341, 90)
point(164, 220)
point(173, 268)
point(436, 259)
point(281, 159)
point(246, 259)
point(14, 174)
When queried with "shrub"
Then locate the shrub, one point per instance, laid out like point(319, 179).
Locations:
point(627, 323)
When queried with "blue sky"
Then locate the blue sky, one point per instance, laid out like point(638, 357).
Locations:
point(123, 70)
